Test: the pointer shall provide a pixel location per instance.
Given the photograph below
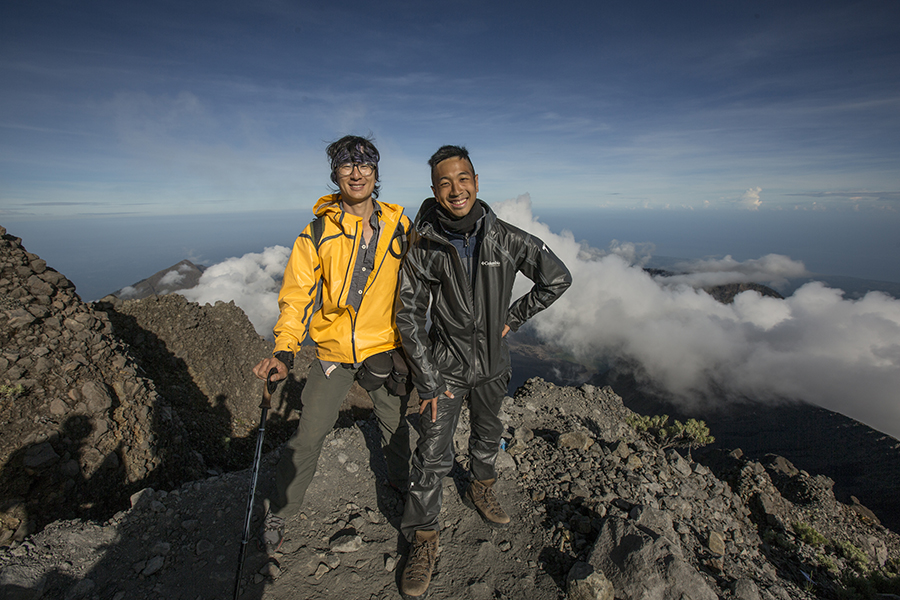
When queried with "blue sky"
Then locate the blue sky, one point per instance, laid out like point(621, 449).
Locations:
point(174, 108)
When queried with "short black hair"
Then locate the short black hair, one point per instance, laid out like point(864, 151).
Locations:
point(445, 152)
point(354, 149)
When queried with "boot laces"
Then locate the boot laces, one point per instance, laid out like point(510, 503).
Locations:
point(490, 500)
point(274, 523)
point(420, 561)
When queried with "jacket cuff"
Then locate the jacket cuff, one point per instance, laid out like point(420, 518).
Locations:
point(429, 394)
point(514, 323)
point(286, 357)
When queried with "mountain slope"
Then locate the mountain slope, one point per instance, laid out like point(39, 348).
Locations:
point(113, 414)
point(81, 427)
point(594, 506)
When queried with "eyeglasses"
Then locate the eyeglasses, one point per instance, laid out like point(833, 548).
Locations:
point(365, 169)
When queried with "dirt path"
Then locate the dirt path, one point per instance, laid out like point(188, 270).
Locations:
point(347, 508)
point(344, 545)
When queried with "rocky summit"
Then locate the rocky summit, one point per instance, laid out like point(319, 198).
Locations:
point(128, 429)
point(80, 423)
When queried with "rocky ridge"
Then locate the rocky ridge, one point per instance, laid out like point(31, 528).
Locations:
point(80, 423)
point(600, 511)
point(100, 400)
point(199, 359)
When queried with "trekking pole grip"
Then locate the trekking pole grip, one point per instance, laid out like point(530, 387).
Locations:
point(269, 389)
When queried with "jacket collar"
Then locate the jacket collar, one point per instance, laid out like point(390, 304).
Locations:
point(330, 206)
point(427, 221)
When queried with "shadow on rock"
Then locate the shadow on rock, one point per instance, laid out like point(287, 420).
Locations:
point(61, 477)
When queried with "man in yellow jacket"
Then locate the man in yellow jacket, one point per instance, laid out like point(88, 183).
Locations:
point(339, 287)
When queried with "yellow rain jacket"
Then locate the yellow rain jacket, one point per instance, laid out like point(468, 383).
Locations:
point(313, 295)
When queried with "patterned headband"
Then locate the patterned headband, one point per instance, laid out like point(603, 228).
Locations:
point(359, 154)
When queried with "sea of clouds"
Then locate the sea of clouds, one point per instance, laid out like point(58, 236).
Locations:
point(816, 346)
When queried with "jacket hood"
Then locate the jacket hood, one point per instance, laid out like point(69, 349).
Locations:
point(328, 204)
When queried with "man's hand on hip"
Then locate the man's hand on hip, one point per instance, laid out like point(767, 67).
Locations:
point(433, 402)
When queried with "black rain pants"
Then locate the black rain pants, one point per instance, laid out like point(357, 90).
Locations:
point(434, 454)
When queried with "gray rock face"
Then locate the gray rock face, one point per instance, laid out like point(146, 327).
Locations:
point(658, 525)
point(40, 455)
point(103, 399)
point(644, 564)
point(584, 583)
point(667, 528)
point(96, 396)
point(80, 427)
point(199, 358)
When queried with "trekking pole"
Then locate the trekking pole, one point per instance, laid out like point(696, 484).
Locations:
point(266, 403)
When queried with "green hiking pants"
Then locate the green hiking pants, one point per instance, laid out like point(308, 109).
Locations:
point(322, 398)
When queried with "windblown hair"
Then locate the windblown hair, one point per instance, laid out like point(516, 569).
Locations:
point(445, 152)
point(353, 149)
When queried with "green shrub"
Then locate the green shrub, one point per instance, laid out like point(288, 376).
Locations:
point(11, 392)
point(859, 587)
point(855, 587)
point(691, 434)
point(892, 566)
point(808, 535)
point(827, 563)
point(856, 557)
point(886, 583)
point(776, 538)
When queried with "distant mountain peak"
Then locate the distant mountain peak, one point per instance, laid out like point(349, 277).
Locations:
point(180, 276)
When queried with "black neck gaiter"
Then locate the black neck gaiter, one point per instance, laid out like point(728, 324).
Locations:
point(460, 225)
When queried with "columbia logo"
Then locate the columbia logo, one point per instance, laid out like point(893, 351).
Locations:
point(490, 263)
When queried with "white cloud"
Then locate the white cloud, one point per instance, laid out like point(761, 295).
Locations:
point(127, 292)
point(252, 281)
point(750, 200)
point(815, 346)
point(172, 278)
point(774, 269)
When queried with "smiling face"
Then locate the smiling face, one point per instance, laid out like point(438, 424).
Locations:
point(455, 185)
point(356, 188)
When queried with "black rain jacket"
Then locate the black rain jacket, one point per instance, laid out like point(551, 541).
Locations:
point(464, 346)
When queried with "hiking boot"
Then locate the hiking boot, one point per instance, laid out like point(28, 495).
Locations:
point(480, 496)
point(419, 565)
point(272, 534)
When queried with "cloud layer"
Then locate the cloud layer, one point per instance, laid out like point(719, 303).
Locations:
point(815, 346)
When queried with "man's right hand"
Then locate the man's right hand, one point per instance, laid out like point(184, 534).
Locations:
point(433, 402)
point(262, 369)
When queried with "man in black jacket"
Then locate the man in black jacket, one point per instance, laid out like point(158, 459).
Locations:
point(462, 262)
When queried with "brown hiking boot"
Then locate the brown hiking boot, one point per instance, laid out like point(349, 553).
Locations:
point(419, 565)
point(481, 495)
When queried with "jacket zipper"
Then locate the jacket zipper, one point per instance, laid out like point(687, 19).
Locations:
point(469, 282)
point(354, 314)
point(471, 260)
